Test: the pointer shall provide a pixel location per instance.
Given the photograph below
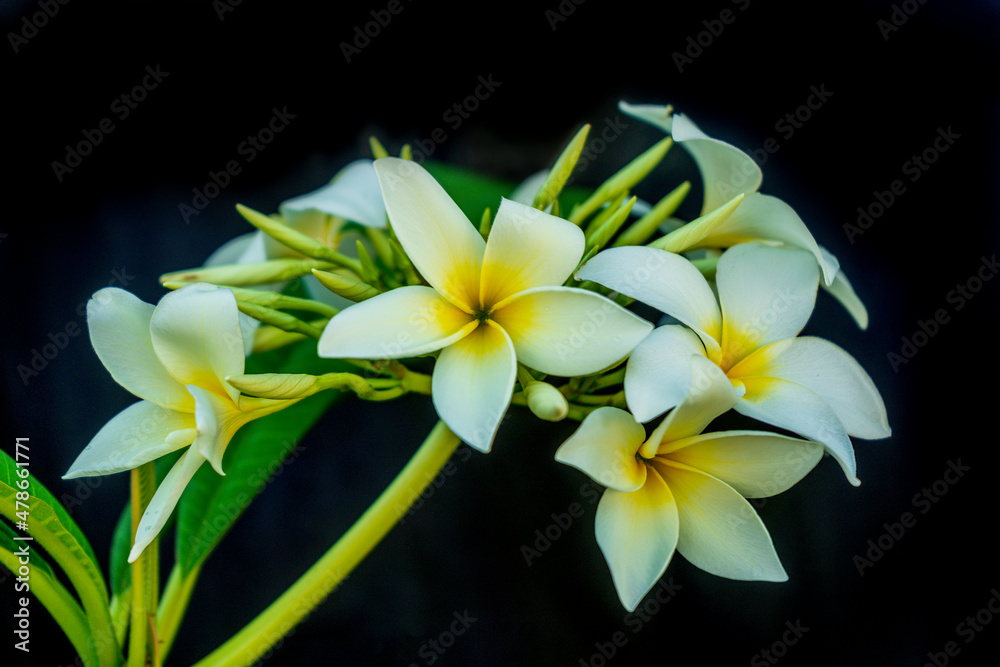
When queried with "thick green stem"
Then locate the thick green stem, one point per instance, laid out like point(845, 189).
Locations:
point(311, 589)
point(173, 604)
point(145, 585)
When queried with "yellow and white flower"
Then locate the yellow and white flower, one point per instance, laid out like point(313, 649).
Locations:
point(766, 295)
point(488, 306)
point(176, 357)
point(726, 171)
point(683, 490)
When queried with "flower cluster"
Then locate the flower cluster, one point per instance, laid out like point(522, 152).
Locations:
point(527, 307)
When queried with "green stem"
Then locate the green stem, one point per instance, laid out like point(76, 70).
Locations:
point(609, 380)
point(311, 589)
point(173, 604)
point(142, 647)
point(601, 399)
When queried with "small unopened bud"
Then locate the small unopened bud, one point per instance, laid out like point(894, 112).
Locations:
point(275, 385)
point(349, 288)
point(297, 385)
point(545, 401)
point(254, 273)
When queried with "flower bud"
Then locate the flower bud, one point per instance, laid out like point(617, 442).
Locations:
point(349, 288)
point(252, 273)
point(545, 401)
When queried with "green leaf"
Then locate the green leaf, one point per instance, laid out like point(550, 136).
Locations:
point(121, 543)
point(53, 529)
point(212, 503)
point(8, 542)
point(471, 191)
point(36, 576)
point(474, 192)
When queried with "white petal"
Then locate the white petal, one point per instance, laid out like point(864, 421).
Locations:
point(709, 395)
point(528, 188)
point(842, 290)
point(604, 447)
point(831, 373)
point(404, 322)
point(719, 530)
point(138, 434)
point(767, 294)
point(797, 408)
point(637, 533)
point(527, 248)
point(568, 331)
point(472, 384)
point(657, 115)
point(438, 238)
point(206, 414)
point(663, 280)
point(119, 331)
point(658, 373)
point(164, 500)
point(762, 217)
point(243, 249)
point(197, 336)
point(726, 171)
point(755, 463)
point(353, 194)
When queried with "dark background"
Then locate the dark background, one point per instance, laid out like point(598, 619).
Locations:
point(115, 217)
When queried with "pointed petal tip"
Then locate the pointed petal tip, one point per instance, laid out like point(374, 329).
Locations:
point(485, 449)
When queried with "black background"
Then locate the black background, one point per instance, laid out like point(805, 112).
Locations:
point(116, 217)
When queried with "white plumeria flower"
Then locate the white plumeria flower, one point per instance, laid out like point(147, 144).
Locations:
point(726, 171)
point(175, 357)
point(489, 305)
point(684, 490)
point(804, 384)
